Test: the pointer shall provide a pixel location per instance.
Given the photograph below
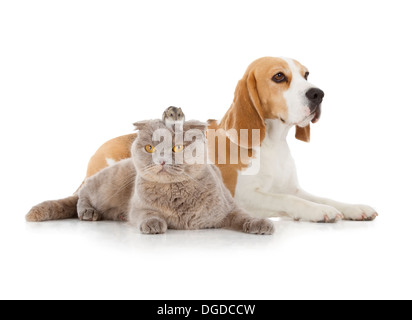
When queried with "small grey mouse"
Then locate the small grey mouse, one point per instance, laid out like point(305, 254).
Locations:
point(173, 116)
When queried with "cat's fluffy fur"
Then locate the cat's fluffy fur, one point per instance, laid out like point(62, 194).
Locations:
point(156, 197)
point(164, 197)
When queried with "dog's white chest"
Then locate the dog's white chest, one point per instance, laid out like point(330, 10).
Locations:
point(277, 172)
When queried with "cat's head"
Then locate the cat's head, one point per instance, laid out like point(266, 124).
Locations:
point(166, 156)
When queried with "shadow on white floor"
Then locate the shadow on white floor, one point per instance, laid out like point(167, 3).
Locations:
point(122, 235)
point(106, 260)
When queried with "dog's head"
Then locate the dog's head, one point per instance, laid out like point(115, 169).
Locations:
point(275, 88)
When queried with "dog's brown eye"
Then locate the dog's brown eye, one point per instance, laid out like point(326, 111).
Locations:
point(306, 75)
point(279, 77)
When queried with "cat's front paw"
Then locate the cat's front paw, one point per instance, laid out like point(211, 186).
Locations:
point(122, 217)
point(153, 226)
point(259, 226)
point(89, 214)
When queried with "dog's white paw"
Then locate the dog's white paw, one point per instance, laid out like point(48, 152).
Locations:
point(320, 213)
point(358, 212)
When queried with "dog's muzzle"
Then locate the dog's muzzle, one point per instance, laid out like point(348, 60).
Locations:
point(315, 97)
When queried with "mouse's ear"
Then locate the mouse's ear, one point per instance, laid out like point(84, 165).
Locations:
point(140, 125)
point(303, 134)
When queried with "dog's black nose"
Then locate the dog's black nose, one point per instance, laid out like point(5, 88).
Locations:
point(315, 95)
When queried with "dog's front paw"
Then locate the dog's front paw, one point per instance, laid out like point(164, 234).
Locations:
point(259, 226)
point(320, 213)
point(89, 214)
point(359, 212)
point(153, 226)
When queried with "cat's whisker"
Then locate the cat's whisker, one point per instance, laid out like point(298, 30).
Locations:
point(152, 170)
point(129, 178)
point(148, 169)
point(150, 166)
point(175, 170)
point(127, 183)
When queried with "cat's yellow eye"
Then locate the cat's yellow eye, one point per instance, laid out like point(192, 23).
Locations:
point(150, 149)
point(178, 148)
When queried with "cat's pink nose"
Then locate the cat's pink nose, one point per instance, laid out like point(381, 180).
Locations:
point(163, 163)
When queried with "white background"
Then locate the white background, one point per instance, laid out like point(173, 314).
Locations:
point(74, 74)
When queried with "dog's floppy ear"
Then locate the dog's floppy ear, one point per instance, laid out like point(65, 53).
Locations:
point(245, 113)
point(303, 134)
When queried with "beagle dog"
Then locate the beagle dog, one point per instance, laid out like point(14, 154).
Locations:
point(273, 97)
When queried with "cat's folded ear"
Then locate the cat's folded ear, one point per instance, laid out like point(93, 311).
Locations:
point(140, 125)
point(195, 125)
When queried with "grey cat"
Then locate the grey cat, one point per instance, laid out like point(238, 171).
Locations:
point(156, 192)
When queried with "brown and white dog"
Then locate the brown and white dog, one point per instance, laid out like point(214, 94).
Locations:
point(273, 96)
